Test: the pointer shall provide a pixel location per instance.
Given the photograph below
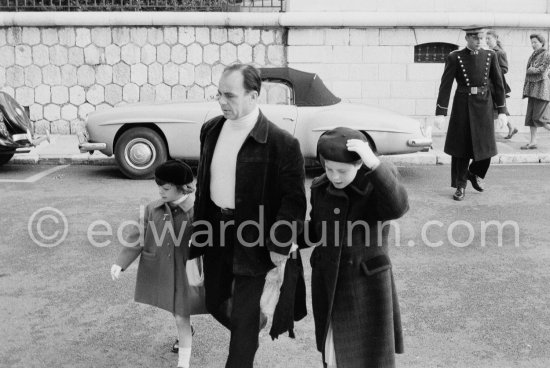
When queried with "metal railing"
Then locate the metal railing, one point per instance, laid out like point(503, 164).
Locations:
point(138, 5)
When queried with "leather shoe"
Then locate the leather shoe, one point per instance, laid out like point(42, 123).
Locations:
point(459, 194)
point(476, 181)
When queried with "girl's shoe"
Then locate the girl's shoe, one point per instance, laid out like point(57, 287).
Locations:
point(529, 146)
point(176, 346)
point(511, 134)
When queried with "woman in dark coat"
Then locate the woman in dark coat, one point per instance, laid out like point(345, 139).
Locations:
point(537, 89)
point(355, 307)
point(494, 43)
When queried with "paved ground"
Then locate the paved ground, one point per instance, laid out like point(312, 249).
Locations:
point(463, 306)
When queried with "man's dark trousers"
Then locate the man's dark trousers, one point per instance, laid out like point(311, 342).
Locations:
point(460, 170)
point(233, 300)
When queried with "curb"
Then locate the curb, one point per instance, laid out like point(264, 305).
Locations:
point(418, 159)
point(63, 160)
point(441, 158)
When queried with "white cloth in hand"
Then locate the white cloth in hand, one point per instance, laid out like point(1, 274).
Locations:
point(439, 121)
point(277, 258)
point(502, 120)
point(273, 282)
point(115, 271)
point(194, 270)
point(272, 290)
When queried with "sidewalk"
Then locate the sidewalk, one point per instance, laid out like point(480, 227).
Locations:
point(63, 149)
point(509, 151)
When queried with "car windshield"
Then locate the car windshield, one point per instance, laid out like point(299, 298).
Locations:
point(309, 89)
point(276, 93)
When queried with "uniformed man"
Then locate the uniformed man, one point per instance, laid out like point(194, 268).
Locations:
point(471, 132)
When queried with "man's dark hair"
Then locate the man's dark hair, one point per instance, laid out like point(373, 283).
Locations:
point(251, 76)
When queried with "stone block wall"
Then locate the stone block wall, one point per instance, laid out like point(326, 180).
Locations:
point(64, 73)
point(376, 65)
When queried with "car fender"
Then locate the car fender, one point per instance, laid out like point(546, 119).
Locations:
point(389, 131)
point(105, 125)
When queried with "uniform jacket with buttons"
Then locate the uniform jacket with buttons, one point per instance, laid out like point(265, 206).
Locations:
point(471, 131)
point(156, 274)
point(350, 263)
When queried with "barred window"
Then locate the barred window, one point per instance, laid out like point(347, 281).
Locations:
point(434, 52)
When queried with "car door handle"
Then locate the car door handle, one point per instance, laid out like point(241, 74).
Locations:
point(289, 119)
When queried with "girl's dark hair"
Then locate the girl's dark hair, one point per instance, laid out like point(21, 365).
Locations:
point(539, 37)
point(251, 76)
point(495, 35)
point(185, 189)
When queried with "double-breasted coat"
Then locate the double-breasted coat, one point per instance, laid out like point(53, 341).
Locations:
point(471, 131)
point(156, 276)
point(352, 280)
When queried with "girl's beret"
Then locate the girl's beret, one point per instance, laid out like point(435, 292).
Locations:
point(175, 172)
point(332, 144)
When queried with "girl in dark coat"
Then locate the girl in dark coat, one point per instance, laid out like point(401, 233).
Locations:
point(163, 246)
point(355, 307)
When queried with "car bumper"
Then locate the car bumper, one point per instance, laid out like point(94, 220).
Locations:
point(420, 142)
point(21, 143)
point(86, 146)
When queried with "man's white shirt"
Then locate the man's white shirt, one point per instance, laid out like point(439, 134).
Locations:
point(224, 160)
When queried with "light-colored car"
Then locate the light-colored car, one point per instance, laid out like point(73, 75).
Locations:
point(143, 135)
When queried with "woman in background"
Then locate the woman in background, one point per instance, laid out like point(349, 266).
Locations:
point(496, 46)
point(537, 89)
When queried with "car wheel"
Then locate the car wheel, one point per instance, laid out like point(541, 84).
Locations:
point(139, 151)
point(4, 158)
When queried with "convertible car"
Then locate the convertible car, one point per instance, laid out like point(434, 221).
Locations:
point(143, 135)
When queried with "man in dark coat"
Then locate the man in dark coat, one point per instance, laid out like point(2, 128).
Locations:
point(471, 132)
point(250, 176)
